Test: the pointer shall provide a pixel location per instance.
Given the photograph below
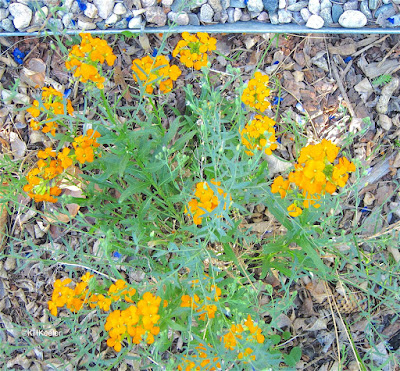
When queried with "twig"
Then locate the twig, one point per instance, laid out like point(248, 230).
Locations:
point(388, 54)
point(89, 269)
point(342, 90)
point(356, 54)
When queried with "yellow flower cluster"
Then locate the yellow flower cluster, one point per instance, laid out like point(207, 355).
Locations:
point(43, 180)
point(193, 49)
point(315, 175)
point(133, 323)
point(206, 200)
point(203, 307)
point(83, 59)
point(53, 105)
point(234, 340)
point(201, 358)
point(256, 93)
point(259, 134)
point(150, 71)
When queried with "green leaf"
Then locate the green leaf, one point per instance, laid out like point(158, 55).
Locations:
point(293, 357)
point(134, 188)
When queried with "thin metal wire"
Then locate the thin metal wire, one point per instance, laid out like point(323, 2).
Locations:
point(238, 27)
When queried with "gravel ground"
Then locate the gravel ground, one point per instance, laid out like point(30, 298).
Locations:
point(57, 15)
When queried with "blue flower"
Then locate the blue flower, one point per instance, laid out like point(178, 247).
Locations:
point(155, 52)
point(391, 20)
point(73, 22)
point(276, 62)
point(82, 6)
point(279, 140)
point(129, 18)
point(18, 56)
point(276, 101)
point(116, 255)
point(347, 59)
point(67, 93)
point(365, 210)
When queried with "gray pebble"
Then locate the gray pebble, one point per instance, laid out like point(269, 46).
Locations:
point(224, 16)
point(237, 4)
point(397, 2)
point(271, 6)
point(315, 21)
point(206, 13)
point(179, 5)
point(121, 25)
point(135, 22)
point(40, 16)
point(282, 4)
point(385, 122)
point(75, 8)
point(225, 4)
point(352, 19)
point(101, 25)
point(296, 7)
point(351, 5)
point(22, 15)
point(273, 18)
point(373, 4)
point(298, 18)
point(181, 19)
point(85, 24)
point(194, 19)
point(255, 6)
point(112, 19)
point(305, 13)
point(284, 16)
point(104, 7)
point(156, 15)
point(7, 25)
point(237, 14)
point(245, 17)
point(216, 5)
point(384, 9)
point(148, 3)
point(55, 24)
point(90, 11)
point(119, 9)
point(4, 13)
point(326, 16)
point(326, 4)
point(337, 11)
point(263, 17)
point(67, 4)
point(167, 3)
point(314, 6)
point(67, 21)
point(365, 9)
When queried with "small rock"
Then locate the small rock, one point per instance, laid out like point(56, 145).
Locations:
point(121, 25)
point(225, 4)
point(68, 4)
point(7, 25)
point(386, 10)
point(369, 199)
point(365, 9)
point(55, 24)
point(22, 15)
point(337, 11)
point(156, 15)
point(326, 16)
point(387, 92)
point(282, 4)
point(315, 21)
point(90, 11)
point(237, 4)
point(352, 19)
point(296, 7)
point(4, 13)
point(120, 9)
point(351, 5)
point(135, 22)
point(148, 3)
point(284, 16)
point(167, 3)
point(40, 16)
point(305, 13)
point(104, 7)
point(255, 6)
point(325, 4)
point(394, 207)
point(314, 7)
point(85, 24)
point(181, 19)
point(245, 17)
point(273, 18)
point(385, 122)
point(194, 19)
point(297, 18)
point(206, 13)
point(263, 17)
point(216, 5)
point(75, 8)
point(373, 4)
point(298, 76)
point(112, 19)
point(67, 21)
point(271, 6)
point(237, 14)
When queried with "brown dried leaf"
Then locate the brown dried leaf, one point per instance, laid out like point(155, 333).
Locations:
point(35, 72)
point(120, 80)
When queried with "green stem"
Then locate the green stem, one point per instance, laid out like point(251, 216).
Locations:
point(106, 105)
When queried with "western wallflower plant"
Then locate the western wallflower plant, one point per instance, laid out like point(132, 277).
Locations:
point(52, 167)
point(193, 49)
point(84, 59)
point(314, 176)
point(256, 93)
point(259, 134)
point(54, 104)
point(151, 71)
point(206, 200)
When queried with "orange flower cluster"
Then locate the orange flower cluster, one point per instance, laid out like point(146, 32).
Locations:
point(315, 175)
point(151, 71)
point(206, 200)
point(201, 358)
point(193, 49)
point(234, 340)
point(53, 105)
point(84, 59)
point(72, 298)
point(133, 323)
point(259, 134)
point(43, 180)
point(203, 307)
point(256, 93)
